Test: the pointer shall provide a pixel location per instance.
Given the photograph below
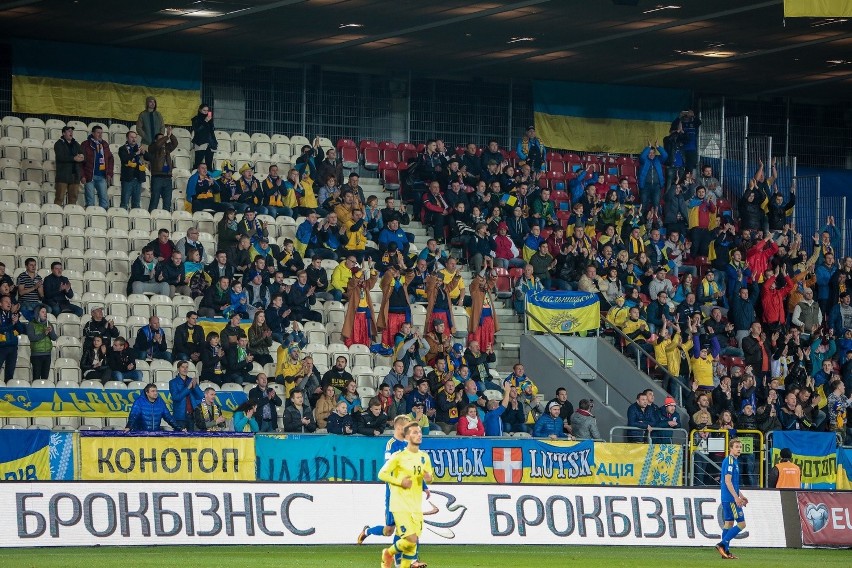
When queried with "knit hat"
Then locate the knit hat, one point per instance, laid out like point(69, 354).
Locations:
point(553, 403)
point(245, 167)
point(458, 347)
point(669, 400)
point(526, 384)
point(502, 226)
point(227, 166)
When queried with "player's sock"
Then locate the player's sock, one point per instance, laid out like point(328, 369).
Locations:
point(409, 550)
point(378, 530)
point(397, 549)
point(729, 535)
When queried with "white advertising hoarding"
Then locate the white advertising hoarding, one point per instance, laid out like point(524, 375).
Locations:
point(87, 514)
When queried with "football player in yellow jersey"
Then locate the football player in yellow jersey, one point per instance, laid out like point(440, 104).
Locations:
point(405, 472)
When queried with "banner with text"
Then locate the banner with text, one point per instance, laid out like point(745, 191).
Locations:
point(563, 312)
point(814, 452)
point(36, 455)
point(472, 460)
point(844, 469)
point(89, 403)
point(173, 456)
point(826, 518)
point(121, 514)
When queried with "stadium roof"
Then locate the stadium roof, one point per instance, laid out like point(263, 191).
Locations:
point(735, 47)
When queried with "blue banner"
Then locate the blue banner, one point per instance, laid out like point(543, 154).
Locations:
point(91, 403)
point(36, 455)
point(455, 460)
point(814, 452)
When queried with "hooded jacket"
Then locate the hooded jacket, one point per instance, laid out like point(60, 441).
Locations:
point(149, 123)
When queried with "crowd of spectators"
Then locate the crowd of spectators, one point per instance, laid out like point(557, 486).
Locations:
point(707, 290)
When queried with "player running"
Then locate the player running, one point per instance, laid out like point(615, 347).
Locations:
point(732, 500)
point(396, 444)
point(405, 473)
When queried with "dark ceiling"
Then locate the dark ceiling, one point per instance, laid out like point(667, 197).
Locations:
point(584, 40)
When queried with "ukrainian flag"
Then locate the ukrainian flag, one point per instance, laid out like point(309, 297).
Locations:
point(25, 454)
point(844, 469)
point(104, 82)
point(817, 8)
point(604, 118)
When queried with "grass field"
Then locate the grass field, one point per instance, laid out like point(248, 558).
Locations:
point(436, 556)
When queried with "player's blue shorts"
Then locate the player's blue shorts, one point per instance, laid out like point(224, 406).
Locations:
point(730, 512)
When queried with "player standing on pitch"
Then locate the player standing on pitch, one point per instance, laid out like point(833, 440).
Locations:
point(396, 444)
point(405, 473)
point(732, 500)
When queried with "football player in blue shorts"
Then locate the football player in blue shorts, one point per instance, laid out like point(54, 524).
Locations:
point(732, 500)
point(394, 445)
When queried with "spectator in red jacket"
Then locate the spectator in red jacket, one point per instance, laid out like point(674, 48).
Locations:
point(97, 168)
point(470, 424)
point(757, 257)
point(506, 254)
point(773, 296)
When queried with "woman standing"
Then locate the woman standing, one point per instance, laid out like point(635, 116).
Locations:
point(227, 230)
point(350, 397)
point(244, 417)
point(41, 335)
point(325, 406)
point(260, 339)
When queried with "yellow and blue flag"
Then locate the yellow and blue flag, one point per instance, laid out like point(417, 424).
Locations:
point(604, 118)
point(36, 455)
point(105, 82)
point(564, 312)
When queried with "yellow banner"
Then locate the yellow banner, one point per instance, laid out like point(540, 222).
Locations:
point(167, 458)
point(35, 466)
point(71, 97)
point(817, 8)
point(563, 312)
point(614, 135)
point(844, 482)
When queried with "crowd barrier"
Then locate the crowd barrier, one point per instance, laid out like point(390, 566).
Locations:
point(22, 402)
point(110, 455)
point(91, 513)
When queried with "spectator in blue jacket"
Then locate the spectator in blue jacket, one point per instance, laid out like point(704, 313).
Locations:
point(148, 412)
point(824, 272)
point(550, 425)
point(393, 234)
point(186, 395)
point(650, 179)
point(840, 316)
point(531, 150)
point(641, 415)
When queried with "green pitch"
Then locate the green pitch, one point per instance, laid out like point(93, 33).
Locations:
point(436, 556)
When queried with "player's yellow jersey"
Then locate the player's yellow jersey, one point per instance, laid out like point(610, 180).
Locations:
point(401, 465)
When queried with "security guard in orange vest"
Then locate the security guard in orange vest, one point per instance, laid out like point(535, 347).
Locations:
point(785, 474)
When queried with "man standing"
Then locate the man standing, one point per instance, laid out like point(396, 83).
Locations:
point(208, 415)
point(132, 172)
point(186, 395)
point(732, 500)
point(405, 472)
point(30, 288)
point(97, 168)
point(785, 474)
point(267, 403)
point(69, 156)
point(297, 415)
point(58, 292)
point(159, 154)
point(10, 328)
point(483, 316)
point(150, 122)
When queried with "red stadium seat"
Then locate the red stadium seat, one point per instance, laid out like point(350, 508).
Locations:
point(388, 152)
point(513, 159)
point(555, 163)
point(563, 215)
point(389, 172)
point(407, 151)
point(628, 170)
point(348, 153)
point(370, 154)
point(420, 148)
point(504, 283)
point(561, 200)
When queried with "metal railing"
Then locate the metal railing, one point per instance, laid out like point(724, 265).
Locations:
point(677, 381)
point(566, 350)
point(700, 447)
